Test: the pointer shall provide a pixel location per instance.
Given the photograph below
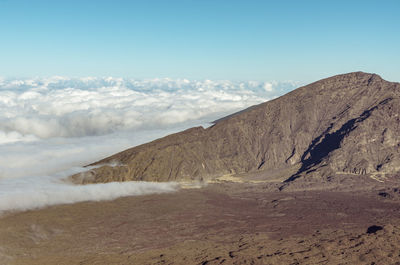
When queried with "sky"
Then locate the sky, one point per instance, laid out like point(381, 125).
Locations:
point(219, 40)
point(81, 80)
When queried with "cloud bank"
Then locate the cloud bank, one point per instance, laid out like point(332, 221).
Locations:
point(35, 192)
point(62, 107)
point(50, 125)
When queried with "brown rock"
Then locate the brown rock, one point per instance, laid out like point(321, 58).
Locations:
point(346, 124)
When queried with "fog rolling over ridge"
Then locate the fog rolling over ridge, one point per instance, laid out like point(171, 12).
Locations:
point(58, 124)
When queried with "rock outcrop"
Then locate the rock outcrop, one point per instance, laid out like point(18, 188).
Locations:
point(346, 124)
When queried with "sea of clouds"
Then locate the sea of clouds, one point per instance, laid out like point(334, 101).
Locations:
point(51, 127)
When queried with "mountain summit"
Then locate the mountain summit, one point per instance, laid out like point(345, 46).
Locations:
point(345, 124)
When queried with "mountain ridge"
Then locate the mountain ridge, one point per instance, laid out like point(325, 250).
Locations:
point(346, 123)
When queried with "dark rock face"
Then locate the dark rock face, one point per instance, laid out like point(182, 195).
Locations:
point(373, 229)
point(346, 124)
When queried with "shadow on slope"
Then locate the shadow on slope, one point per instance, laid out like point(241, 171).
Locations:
point(320, 149)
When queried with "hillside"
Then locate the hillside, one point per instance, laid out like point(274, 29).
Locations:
point(345, 124)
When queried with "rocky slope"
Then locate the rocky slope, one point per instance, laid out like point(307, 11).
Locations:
point(346, 124)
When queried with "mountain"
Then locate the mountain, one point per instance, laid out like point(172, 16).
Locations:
point(345, 124)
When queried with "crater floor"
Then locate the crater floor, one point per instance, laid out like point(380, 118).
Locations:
point(221, 223)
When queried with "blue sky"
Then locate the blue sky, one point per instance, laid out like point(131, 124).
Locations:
point(237, 40)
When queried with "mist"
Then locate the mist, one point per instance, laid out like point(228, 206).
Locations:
point(52, 127)
point(39, 191)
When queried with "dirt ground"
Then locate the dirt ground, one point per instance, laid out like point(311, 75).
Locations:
point(221, 223)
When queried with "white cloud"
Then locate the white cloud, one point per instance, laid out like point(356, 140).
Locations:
point(268, 87)
point(37, 157)
point(35, 192)
point(48, 125)
point(62, 107)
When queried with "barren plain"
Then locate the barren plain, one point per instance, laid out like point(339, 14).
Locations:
point(219, 223)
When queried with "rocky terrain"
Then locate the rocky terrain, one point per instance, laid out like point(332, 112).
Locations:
point(346, 124)
point(312, 177)
point(222, 223)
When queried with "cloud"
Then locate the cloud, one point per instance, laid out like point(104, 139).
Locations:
point(36, 157)
point(62, 107)
point(50, 125)
point(35, 192)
